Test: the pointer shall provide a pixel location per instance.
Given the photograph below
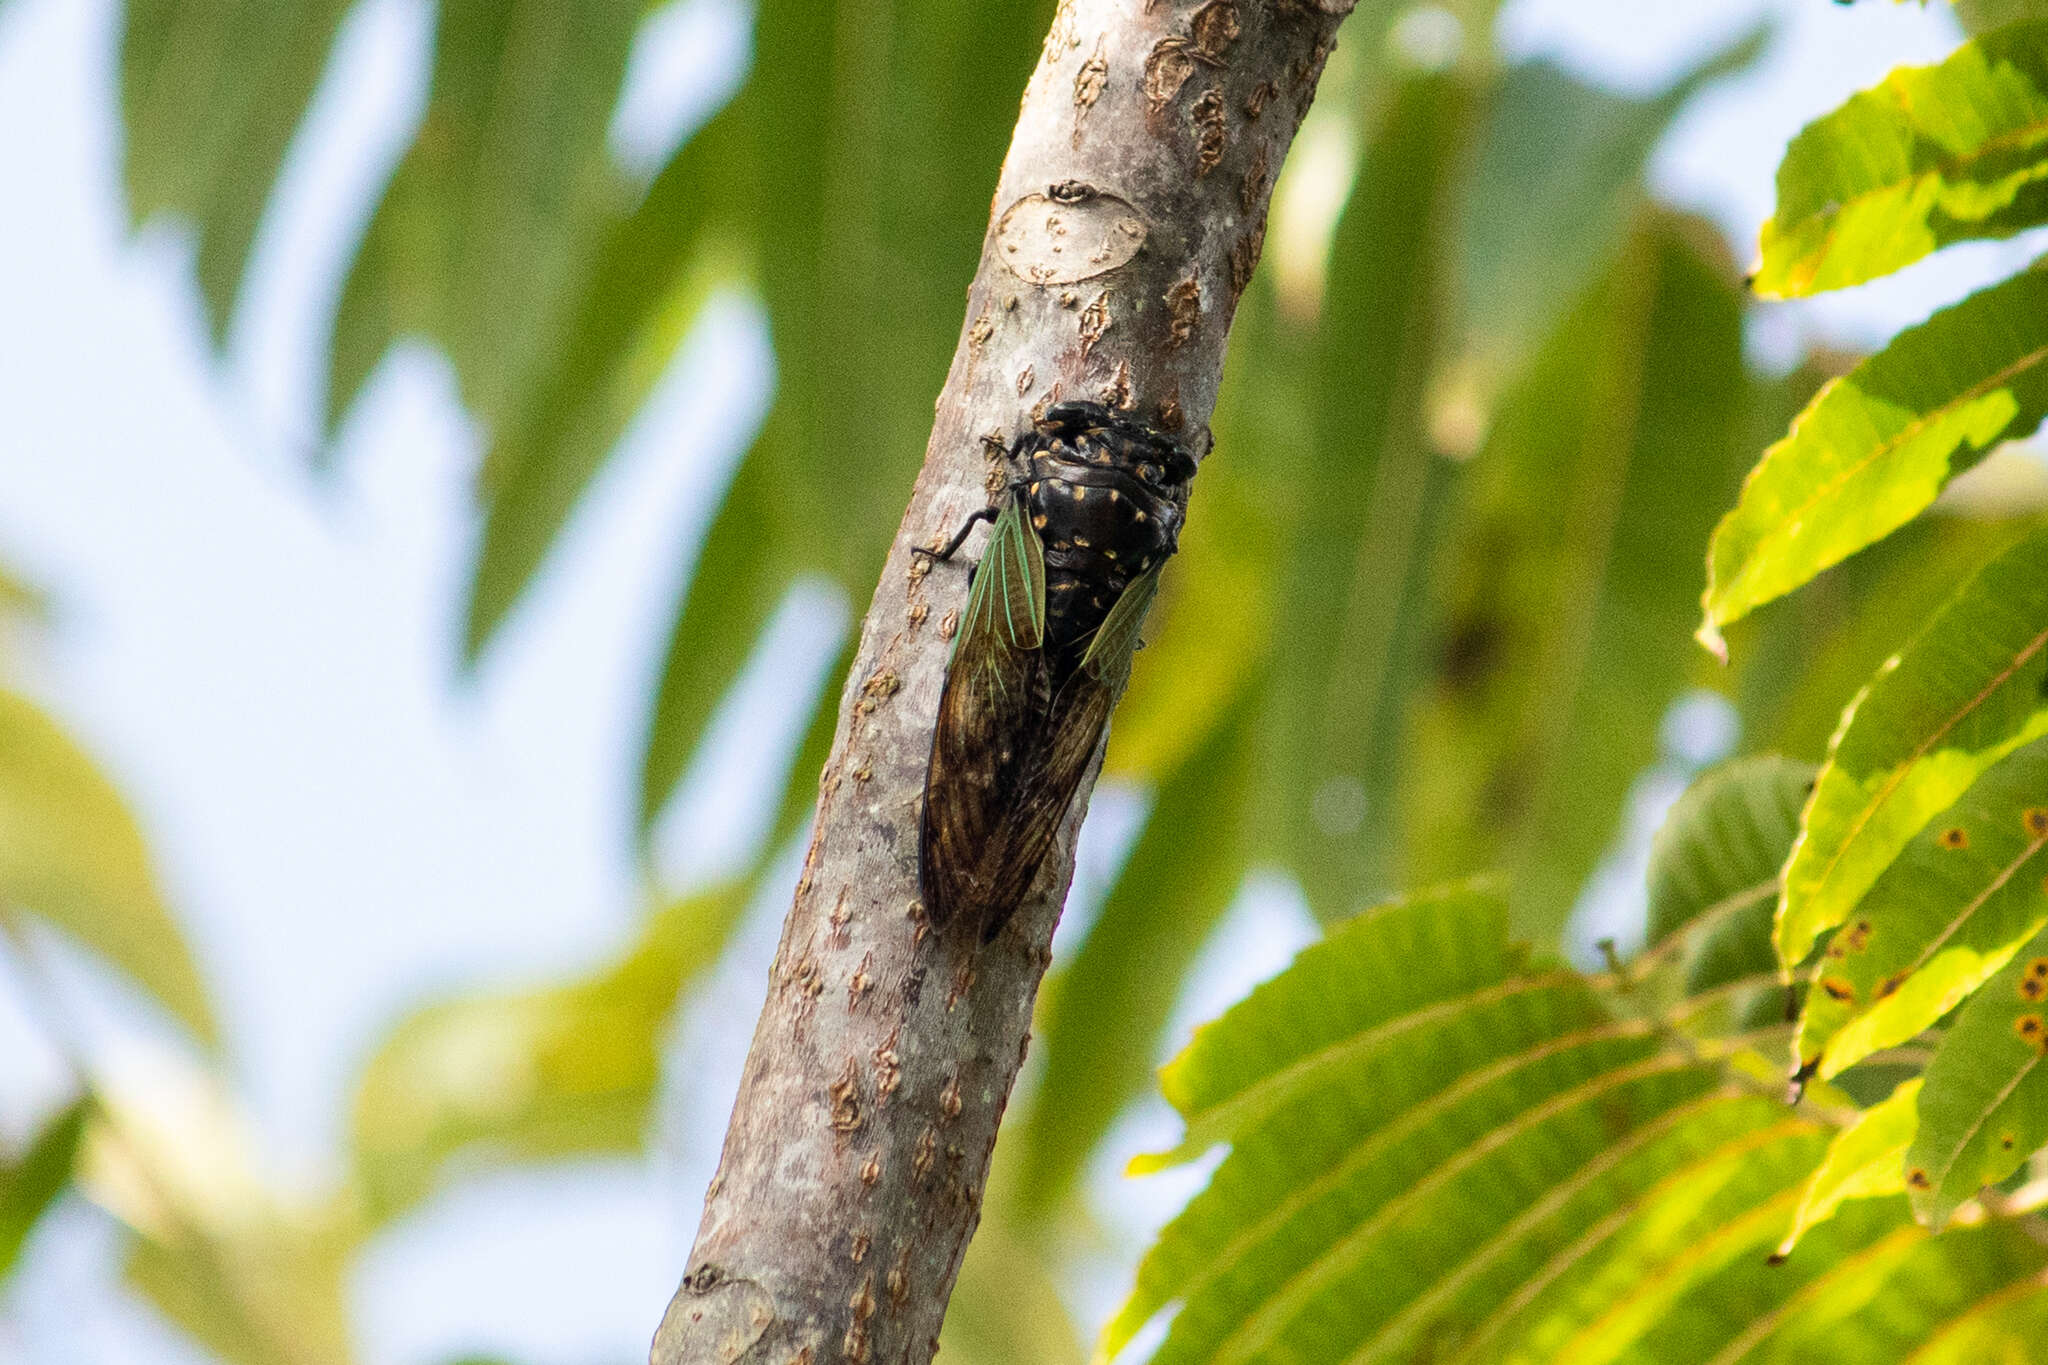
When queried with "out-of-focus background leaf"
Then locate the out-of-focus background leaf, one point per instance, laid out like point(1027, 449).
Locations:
point(1559, 624)
point(255, 1277)
point(32, 1180)
point(531, 1076)
point(211, 94)
point(489, 218)
point(71, 856)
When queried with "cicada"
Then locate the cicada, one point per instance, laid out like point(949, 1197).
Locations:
point(1043, 649)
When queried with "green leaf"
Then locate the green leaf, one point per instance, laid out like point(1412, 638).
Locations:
point(1948, 913)
point(1984, 1109)
point(1556, 179)
point(70, 853)
point(263, 1298)
point(1867, 1286)
point(1494, 1168)
point(526, 1076)
point(1102, 1015)
point(33, 1182)
point(741, 573)
point(2000, 1326)
point(18, 598)
point(1966, 692)
point(489, 219)
point(1371, 970)
point(1932, 155)
point(1873, 449)
point(211, 94)
point(1799, 660)
point(1713, 877)
point(1570, 577)
point(1426, 1139)
point(642, 291)
point(1866, 1159)
point(1693, 1254)
point(20, 604)
point(1353, 594)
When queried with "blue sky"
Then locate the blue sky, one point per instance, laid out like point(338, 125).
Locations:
point(263, 661)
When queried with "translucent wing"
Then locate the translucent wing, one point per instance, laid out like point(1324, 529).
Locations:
point(1039, 768)
point(1053, 760)
point(1108, 659)
point(995, 699)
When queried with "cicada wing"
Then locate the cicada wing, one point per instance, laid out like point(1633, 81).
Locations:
point(1059, 752)
point(1108, 659)
point(1068, 732)
point(994, 702)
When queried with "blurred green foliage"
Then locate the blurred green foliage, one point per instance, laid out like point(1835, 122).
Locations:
point(70, 854)
point(34, 1179)
point(1481, 411)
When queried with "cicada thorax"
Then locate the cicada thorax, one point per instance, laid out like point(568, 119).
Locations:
point(1107, 503)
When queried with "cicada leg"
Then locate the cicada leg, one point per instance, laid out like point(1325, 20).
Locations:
point(960, 538)
point(989, 513)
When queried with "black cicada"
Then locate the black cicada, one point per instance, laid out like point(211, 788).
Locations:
point(1043, 650)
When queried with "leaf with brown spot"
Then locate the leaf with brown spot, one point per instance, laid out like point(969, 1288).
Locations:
point(1984, 1108)
point(1941, 920)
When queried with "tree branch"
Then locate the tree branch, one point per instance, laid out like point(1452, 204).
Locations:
point(1130, 213)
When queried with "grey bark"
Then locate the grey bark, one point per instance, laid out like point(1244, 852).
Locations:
point(1130, 212)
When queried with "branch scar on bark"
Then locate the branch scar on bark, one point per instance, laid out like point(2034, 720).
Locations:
point(1074, 233)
